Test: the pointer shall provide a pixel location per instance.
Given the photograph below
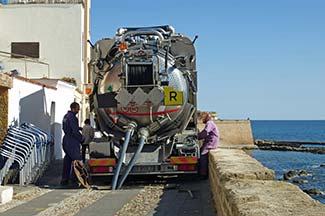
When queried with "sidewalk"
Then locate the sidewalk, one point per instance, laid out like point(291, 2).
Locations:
point(39, 204)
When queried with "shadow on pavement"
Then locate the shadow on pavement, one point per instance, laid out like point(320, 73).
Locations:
point(186, 196)
point(52, 177)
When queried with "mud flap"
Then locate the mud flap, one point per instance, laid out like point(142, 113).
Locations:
point(81, 173)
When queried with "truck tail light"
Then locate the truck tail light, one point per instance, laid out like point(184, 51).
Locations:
point(102, 169)
point(183, 160)
point(102, 162)
point(186, 167)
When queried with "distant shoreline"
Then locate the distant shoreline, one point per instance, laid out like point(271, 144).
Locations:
point(290, 146)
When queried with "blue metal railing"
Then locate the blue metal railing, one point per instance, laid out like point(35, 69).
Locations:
point(29, 147)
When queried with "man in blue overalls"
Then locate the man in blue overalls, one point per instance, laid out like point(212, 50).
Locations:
point(71, 141)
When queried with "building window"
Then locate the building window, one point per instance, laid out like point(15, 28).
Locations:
point(23, 49)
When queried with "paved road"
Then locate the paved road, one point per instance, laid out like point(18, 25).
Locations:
point(188, 198)
point(39, 204)
point(109, 204)
point(181, 197)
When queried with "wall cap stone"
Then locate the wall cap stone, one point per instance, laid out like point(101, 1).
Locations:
point(237, 191)
point(5, 80)
point(272, 198)
point(236, 164)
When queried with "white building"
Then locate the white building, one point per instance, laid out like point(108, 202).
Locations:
point(52, 33)
point(44, 38)
point(42, 105)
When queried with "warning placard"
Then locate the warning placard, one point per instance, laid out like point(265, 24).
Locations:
point(172, 97)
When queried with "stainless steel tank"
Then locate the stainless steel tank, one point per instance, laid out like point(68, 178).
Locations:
point(144, 75)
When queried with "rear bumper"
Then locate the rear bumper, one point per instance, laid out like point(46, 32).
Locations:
point(148, 173)
point(154, 169)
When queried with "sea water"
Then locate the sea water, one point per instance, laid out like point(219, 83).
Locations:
point(283, 161)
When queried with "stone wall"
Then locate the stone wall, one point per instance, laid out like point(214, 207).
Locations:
point(5, 83)
point(234, 132)
point(241, 186)
point(3, 112)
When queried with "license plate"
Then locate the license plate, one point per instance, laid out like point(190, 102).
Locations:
point(138, 169)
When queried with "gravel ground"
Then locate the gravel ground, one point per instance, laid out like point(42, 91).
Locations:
point(143, 202)
point(23, 197)
point(73, 204)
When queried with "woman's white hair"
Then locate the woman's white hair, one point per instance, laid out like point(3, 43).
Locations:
point(207, 116)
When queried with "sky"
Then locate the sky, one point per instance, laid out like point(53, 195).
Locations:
point(257, 59)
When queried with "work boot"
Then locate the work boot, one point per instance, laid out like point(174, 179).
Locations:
point(203, 177)
point(74, 185)
point(64, 183)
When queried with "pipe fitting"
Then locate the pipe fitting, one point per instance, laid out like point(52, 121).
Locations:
point(143, 132)
point(156, 125)
point(132, 125)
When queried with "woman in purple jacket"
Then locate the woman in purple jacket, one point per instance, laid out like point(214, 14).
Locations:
point(210, 135)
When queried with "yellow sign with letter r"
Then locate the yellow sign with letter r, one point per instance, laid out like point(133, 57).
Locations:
point(172, 97)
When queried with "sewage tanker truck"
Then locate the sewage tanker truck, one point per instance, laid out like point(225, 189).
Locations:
point(144, 96)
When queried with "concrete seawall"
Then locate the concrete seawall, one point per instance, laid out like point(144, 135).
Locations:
point(234, 132)
point(242, 186)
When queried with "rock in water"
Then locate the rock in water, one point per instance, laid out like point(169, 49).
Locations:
point(290, 174)
point(303, 173)
point(313, 191)
point(300, 181)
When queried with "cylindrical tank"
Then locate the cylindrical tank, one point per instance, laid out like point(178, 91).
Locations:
point(141, 77)
point(148, 111)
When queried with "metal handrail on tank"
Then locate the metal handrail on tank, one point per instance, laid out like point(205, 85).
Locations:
point(134, 33)
point(162, 29)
